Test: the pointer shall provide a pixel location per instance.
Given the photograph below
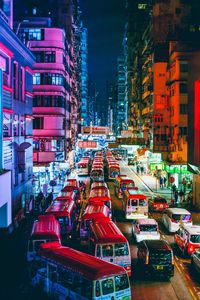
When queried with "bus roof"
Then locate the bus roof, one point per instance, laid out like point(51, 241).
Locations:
point(60, 208)
point(98, 184)
point(106, 232)
point(87, 265)
point(72, 181)
point(99, 199)
point(124, 180)
point(94, 210)
point(178, 211)
point(98, 192)
point(134, 195)
point(45, 226)
point(69, 188)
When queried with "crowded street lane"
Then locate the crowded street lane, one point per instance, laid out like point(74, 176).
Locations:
point(184, 285)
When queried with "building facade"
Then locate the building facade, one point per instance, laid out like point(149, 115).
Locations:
point(51, 89)
point(84, 77)
point(16, 155)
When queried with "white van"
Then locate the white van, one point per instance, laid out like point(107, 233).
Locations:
point(145, 229)
point(173, 218)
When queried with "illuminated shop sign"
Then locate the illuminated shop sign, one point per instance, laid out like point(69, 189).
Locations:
point(180, 169)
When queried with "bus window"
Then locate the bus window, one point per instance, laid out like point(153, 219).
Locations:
point(98, 291)
point(107, 286)
point(87, 289)
point(121, 249)
point(142, 202)
point(134, 202)
point(37, 244)
point(53, 273)
point(107, 250)
point(98, 251)
point(65, 278)
point(121, 282)
point(64, 221)
point(78, 285)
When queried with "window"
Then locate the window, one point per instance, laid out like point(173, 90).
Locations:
point(183, 109)
point(143, 202)
point(183, 130)
point(107, 286)
point(15, 80)
point(178, 10)
point(121, 249)
point(98, 251)
point(121, 282)
point(107, 250)
point(33, 34)
point(6, 125)
point(22, 84)
point(45, 56)
point(37, 78)
point(183, 88)
point(65, 277)
point(16, 125)
point(97, 289)
point(183, 66)
point(38, 123)
point(158, 118)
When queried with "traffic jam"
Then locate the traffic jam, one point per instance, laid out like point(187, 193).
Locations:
point(105, 237)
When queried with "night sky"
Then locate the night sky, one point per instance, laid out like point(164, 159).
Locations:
point(105, 20)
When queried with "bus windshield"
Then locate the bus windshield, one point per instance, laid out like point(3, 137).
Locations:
point(121, 249)
point(121, 282)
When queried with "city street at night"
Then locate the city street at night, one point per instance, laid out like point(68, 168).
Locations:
point(100, 149)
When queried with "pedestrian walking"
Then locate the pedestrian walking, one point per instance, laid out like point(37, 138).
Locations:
point(165, 181)
point(138, 169)
point(176, 196)
point(181, 194)
point(174, 188)
point(142, 169)
point(161, 182)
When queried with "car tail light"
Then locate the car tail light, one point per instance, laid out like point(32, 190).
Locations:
point(147, 259)
point(155, 205)
point(191, 249)
point(128, 267)
point(174, 221)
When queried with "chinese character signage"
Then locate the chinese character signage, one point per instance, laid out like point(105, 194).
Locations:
point(87, 144)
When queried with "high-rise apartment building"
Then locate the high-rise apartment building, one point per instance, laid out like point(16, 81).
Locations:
point(84, 76)
point(51, 89)
point(16, 154)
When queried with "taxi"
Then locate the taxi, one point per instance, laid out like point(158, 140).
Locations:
point(187, 238)
point(145, 229)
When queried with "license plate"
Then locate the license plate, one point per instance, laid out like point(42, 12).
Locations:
point(159, 267)
point(161, 206)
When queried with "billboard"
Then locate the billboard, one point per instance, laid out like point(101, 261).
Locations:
point(87, 144)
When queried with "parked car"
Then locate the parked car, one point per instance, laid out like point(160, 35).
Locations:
point(145, 229)
point(173, 218)
point(195, 261)
point(187, 238)
point(158, 203)
point(155, 257)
